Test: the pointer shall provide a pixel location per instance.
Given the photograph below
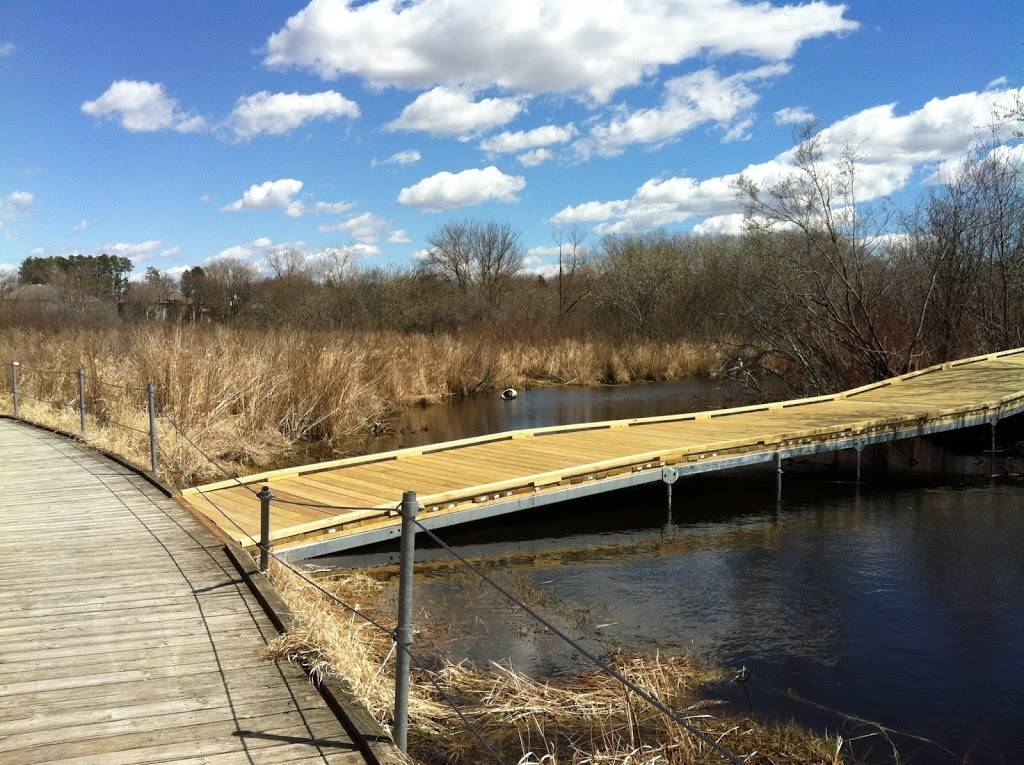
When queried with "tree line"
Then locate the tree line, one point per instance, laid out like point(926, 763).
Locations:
point(818, 289)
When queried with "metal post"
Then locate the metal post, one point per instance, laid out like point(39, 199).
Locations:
point(404, 632)
point(14, 386)
point(264, 495)
point(778, 476)
point(858, 448)
point(81, 399)
point(992, 453)
point(151, 400)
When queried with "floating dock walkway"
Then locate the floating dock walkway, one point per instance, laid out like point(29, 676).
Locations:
point(474, 478)
point(127, 635)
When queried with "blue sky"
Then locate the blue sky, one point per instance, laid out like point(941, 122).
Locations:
point(179, 132)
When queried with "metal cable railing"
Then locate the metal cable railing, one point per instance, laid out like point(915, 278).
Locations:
point(402, 636)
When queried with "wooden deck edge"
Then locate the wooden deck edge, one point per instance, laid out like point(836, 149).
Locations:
point(163, 488)
point(293, 472)
point(368, 734)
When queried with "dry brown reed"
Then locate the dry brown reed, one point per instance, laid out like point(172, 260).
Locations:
point(577, 720)
point(249, 397)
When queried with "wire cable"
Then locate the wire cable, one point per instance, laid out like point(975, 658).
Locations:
point(111, 421)
point(136, 388)
point(370, 620)
point(170, 420)
point(607, 669)
point(44, 370)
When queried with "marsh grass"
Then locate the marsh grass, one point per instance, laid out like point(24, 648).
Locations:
point(251, 398)
point(574, 719)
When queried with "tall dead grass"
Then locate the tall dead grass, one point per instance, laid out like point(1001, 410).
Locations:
point(577, 720)
point(250, 396)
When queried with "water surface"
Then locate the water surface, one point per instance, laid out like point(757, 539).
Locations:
point(898, 600)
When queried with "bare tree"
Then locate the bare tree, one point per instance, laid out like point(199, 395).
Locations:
point(478, 257)
point(285, 262)
point(573, 259)
point(819, 281)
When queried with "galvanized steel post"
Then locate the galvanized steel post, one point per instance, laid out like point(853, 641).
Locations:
point(404, 633)
point(14, 386)
point(264, 495)
point(778, 476)
point(858, 448)
point(81, 399)
point(151, 402)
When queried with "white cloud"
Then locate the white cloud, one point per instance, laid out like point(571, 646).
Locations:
point(279, 193)
point(325, 208)
point(793, 115)
point(535, 157)
point(534, 265)
point(691, 100)
point(403, 158)
point(589, 212)
point(277, 113)
point(258, 247)
point(550, 249)
point(82, 225)
point(446, 190)
point(143, 107)
point(399, 236)
point(205, 198)
point(998, 82)
point(17, 204)
point(365, 228)
point(730, 223)
point(449, 112)
point(6, 49)
point(889, 149)
point(543, 46)
point(138, 252)
point(420, 256)
point(522, 140)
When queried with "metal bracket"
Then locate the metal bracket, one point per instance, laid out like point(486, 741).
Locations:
point(669, 475)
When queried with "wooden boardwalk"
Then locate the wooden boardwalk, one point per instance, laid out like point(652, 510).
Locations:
point(474, 478)
point(126, 636)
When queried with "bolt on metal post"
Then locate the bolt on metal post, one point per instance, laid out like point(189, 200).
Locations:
point(151, 404)
point(81, 399)
point(404, 633)
point(264, 495)
point(14, 386)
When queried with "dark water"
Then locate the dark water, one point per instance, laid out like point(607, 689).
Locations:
point(899, 600)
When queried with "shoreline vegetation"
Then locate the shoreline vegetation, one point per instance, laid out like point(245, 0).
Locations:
point(253, 398)
point(581, 718)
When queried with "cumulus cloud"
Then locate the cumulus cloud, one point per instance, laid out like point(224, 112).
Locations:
point(279, 193)
point(793, 115)
point(451, 112)
point(535, 157)
point(688, 101)
point(399, 236)
point(535, 265)
point(589, 212)
point(365, 228)
point(446, 190)
point(143, 107)
point(138, 252)
point(82, 225)
point(258, 247)
point(6, 49)
point(401, 158)
point(17, 204)
point(278, 113)
point(522, 140)
point(547, 46)
point(889, 148)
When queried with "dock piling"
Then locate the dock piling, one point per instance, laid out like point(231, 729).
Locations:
point(264, 495)
point(404, 633)
point(81, 400)
point(14, 386)
point(778, 476)
point(151, 405)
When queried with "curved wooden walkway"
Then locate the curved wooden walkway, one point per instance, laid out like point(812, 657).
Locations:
point(126, 635)
point(474, 478)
